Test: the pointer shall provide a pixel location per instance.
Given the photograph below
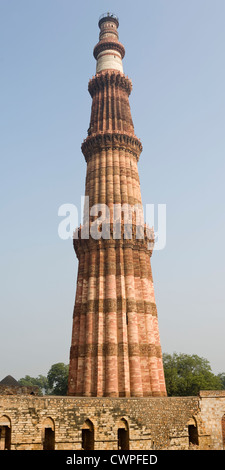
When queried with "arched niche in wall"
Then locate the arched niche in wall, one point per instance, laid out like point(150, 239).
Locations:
point(48, 434)
point(193, 432)
point(123, 434)
point(5, 433)
point(88, 435)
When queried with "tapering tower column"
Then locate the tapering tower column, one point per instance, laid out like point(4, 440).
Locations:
point(115, 349)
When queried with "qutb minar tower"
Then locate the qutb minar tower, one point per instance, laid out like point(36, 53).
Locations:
point(115, 350)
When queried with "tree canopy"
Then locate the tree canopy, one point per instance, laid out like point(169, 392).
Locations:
point(54, 384)
point(58, 378)
point(41, 381)
point(186, 375)
point(222, 378)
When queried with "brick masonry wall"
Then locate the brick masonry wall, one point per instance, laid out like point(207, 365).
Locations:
point(153, 422)
point(159, 423)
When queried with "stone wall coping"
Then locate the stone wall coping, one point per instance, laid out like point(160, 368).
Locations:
point(212, 394)
point(111, 399)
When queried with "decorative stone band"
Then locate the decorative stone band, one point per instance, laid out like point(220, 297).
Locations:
point(105, 141)
point(109, 78)
point(112, 349)
point(108, 43)
point(119, 305)
point(124, 394)
point(89, 244)
point(82, 246)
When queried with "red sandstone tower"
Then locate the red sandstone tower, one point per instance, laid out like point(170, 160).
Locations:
point(115, 348)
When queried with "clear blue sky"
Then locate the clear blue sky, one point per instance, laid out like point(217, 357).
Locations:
point(175, 58)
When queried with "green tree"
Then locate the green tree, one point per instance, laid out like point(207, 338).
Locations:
point(58, 378)
point(186, 375)
point(222, 378)
point(41, 381)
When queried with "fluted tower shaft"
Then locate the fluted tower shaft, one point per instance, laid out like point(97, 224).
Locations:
point(115, 349)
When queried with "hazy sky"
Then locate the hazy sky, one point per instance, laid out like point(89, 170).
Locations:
point(175, 59)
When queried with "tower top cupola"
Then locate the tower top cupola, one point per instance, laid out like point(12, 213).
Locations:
point(109, 52)
point(106, 17)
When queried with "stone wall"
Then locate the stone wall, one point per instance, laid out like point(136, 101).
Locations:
point(20, 390)
point(211, 412)
point(153, 423)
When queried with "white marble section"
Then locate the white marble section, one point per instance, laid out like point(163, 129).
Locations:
point(109, 59)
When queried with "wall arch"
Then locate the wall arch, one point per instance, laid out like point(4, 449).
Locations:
point(193, 432)
point(123, 437)
point(88, 435)
point(5, 433)
point(48, 434)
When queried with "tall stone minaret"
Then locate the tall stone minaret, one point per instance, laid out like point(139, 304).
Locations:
point(115, 348)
